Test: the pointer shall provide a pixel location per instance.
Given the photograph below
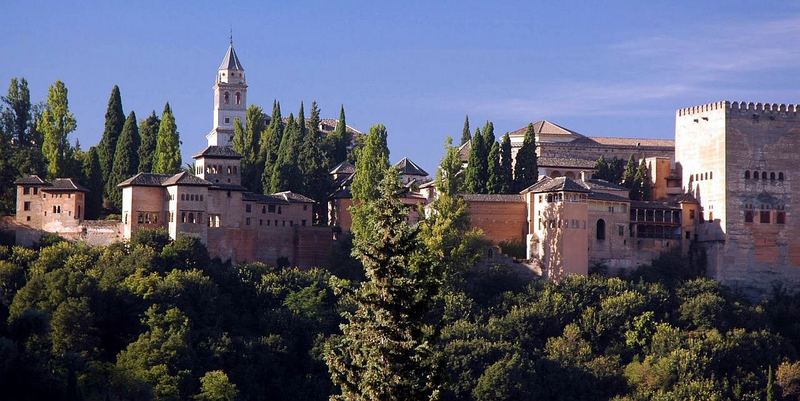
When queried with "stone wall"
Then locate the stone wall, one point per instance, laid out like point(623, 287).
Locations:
point(499, 221)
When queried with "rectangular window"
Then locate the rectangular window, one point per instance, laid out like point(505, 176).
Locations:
point(268, 221)
point(260, 222)
point(272, 208)
point(688, 235)
point(764, 217)
point(248, 208)
point(780, 218)
point(27, 206)
point(263, 209)
point(621, 230)
point(26, 190)
point(247, 221)
point(280, 210)
point(691, 214)
point(303, 223)
point(748, 216)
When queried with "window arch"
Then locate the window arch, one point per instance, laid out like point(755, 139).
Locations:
point(763, 175)
point(772, 176)
point(780, 176)
point(755, 175)
point(747, 174)
point(238, 98)
point(601, 230)
point(227, 98)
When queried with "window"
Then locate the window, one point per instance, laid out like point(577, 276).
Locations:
point(248, 208)
point(227, 120)
point(26, 206)
point(780, 218)
point(183, 217)
point(772, 176)
point(601, 229)
point(755, 175)
point(280, 210)
point(747, 175)
point(229, 170)
point(763, 175)
point(303, 223)
point(26, 190)
point(247, 221)
point(191, 218)
point(227, 99)
point(691, 214)
point(238, 98)
point(27, 218)
point(284, 223)
point(263, 209)
point(260, 222)
point(780, 178)
point(272, 208)
point(621, 230)
point(764, 217)
point(748, 216)
point(688, 235)
point(268, 221)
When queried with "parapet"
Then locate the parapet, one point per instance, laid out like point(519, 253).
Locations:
point(748, 107)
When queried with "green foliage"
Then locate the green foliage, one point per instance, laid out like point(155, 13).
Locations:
point(312, 163)
point(269, 146)
point(114, 122)
point(629, 174)
point(449, 179)
point(56, 123)
point(338, 141)
point(148, 133)
point(526, 169)
point(506, 171)
point(93, 181)
point(373, 160)
point(247, 142)
point(610, 170)
point(167, 157)
point(494, 185)
point(476, 174)
point(466, 136)
point(126, 161)
point(215, 386)
point(286, 175)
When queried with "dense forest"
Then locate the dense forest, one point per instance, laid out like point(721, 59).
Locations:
point(404, 312)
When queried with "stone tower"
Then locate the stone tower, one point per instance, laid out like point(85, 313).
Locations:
point(230, 99)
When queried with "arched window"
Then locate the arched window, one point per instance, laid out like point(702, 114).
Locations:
point(238, 98)
point(191, 218)
point(601, 229)
point(772, 176)
point(747, 175)
point(755, 175)
point(763, 175)
point(780, 176)
point(227, 98)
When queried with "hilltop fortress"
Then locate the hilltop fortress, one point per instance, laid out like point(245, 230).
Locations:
point(723, 190)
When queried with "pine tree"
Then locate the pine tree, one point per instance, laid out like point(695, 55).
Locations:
point(506, 172)
point(526, 169)
point(126, 161)
point(465, 133)
point(628, 177)
point(56, 123)
point(372, 160)
point(313, 167)
point(115, 119)
point(93, 181)
point(494, 185)
point(385, 351)
point(476, 173)
point(340, 140)
point(167, 159)
point(270, 146)
point(148, 132)
point(286, 173)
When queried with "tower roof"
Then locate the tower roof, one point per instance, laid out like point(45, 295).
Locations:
point(231, 60)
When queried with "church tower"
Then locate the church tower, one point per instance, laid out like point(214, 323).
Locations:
point(230, 99)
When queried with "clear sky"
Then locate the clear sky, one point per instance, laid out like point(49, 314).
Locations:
point(601, 68)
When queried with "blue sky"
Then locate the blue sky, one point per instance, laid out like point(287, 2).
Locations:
point(600, 68)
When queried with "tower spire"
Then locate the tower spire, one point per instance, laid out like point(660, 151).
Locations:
point(231, 36)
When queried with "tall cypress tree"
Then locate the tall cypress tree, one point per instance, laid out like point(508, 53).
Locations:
point(167, 158)
point(301, 121)
point(246, 141)
point(340, 140)
point(372, 160)
point(526, 169)
point(494, 185)
point(313, 167)
point(286, 174)
point(93, 180)
point(148, 132)
point(465, 133)
point(476, 173)
point(19, 119)
point(270, 146)
point(56, 123)
point(629, 176)
point(115, 119)
point(642, 187)
point(488, 136)
point(126, 161)
point(506, 171)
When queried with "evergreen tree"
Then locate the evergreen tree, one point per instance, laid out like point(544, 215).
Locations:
point(526, 169)
point(148, 132)
point(642, 187)
point(488, 136)
point(340, 140)
point(449, 179)
point(126, 161)
point(465, 133)
point(7, 174)
point(115, 119)
point(301, 122)
point(385, 351)
point(476, 173)
point(286, 174)
point(506, 172)
point(167, 159)
point(494, 185)
point(16, 116)
point(601, 168)
point(93, 181)
point(313, 167)
point(56, 124)
point(372, 160)
point(628, 177)
point(270, 146)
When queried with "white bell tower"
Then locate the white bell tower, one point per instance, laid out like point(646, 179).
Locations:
point(230, 99)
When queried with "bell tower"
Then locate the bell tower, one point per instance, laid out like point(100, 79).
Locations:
point(230, 99)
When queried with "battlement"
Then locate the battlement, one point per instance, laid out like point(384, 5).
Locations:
point(749, 107)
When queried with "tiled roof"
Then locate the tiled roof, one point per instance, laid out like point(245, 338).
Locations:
point(261, 198)
point(145, 180)
point(219, 152)
point(64, 184)
point(408, 167)
point(227, 187)
point(616, 141)
point(293, 197)
point(463, 151)
point(654, 205)
point(231, 60)
point(493, 198)
point(604, 196)
point(343, 168)
point(545, 127)
point(596, 183)
point(31, 180)
point(184, 178)
point(565, 162)
point(557, 184)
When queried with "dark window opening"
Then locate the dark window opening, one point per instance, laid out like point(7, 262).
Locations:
point(764, 216)
point(780, 218)
point(601, 229)
point(748, 216)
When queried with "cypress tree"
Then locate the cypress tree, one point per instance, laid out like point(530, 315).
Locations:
point(167, 158)
point(115, 119)
point(148, 133)
point(506, 172)
point(16, 117)
point(93, 180)
point(286, 174)
point(126, 161)
point(629, 176)
point(601, 169)
point(385, 351)
point(56, 123)
point(488, 136)
point(476, 174)
point(7, 174)
point(340, 140)
point(642, 187)
point(313, 164)
point(246, 141)
point(372, 160)
point(448, 178)
point(270, 146)
point(526, 169)
point(494, 185)
point(465, 133)
point(301, 122)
